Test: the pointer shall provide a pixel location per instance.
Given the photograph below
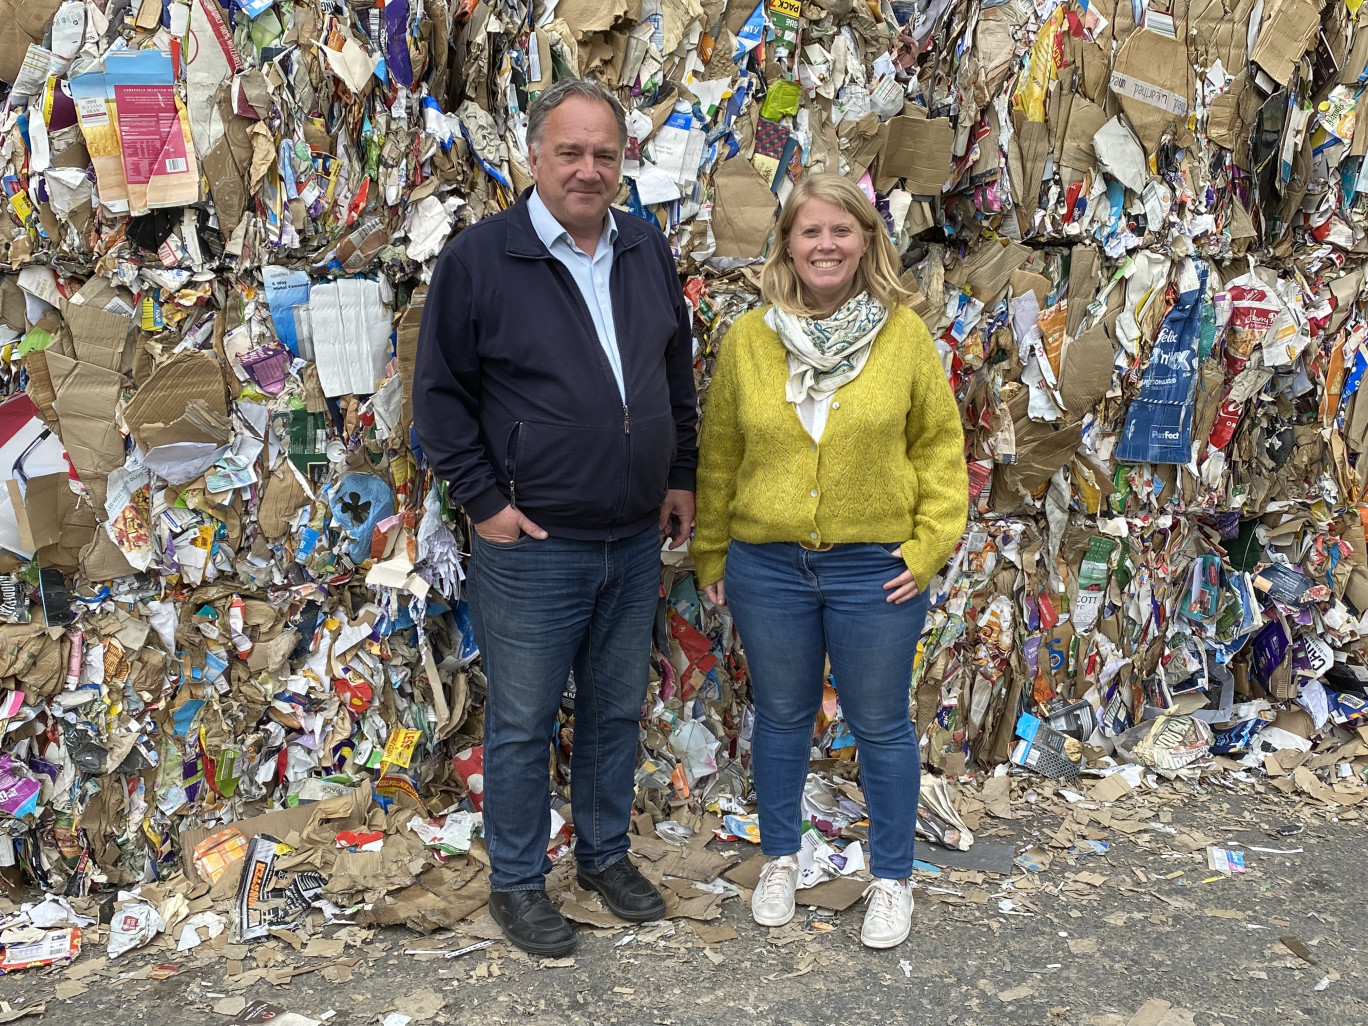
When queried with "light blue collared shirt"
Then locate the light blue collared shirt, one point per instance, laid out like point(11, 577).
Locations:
point(591, 274)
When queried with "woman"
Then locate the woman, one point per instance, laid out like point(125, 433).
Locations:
point(831, 487)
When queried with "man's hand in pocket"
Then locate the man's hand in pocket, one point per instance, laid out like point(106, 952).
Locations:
point(507, 526)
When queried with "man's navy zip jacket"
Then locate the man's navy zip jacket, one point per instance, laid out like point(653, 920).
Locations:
point(514, 400)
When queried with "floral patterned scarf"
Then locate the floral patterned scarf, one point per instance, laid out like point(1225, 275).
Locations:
point(825, 354)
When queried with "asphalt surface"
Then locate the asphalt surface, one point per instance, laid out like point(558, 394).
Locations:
point(1159, 927)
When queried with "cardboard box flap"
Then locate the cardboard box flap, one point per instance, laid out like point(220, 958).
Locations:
point(1288, 29)
point(279, 823)
point(743, 210)
point(98, 337)
point(163, 399)
point(918, 150)
point(988, 268)
point(1152, 79)
point(24, 23)
point(1086, 371)
point(87, 396)
point(37, 508)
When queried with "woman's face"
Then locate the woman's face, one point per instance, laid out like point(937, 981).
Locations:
point(826, 244)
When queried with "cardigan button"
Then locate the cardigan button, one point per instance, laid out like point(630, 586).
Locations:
point(835, 406)
point(813, 493)
point(813, 447)
point(813, 535)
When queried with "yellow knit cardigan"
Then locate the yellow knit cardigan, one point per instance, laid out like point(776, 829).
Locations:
point(889, 467)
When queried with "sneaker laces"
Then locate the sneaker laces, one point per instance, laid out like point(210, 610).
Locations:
point(773, 883)
point(883, 896)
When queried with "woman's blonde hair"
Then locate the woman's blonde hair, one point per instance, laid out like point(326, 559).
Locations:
point(878, 270)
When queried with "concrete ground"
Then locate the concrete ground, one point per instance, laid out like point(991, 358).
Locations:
point(1143, 934)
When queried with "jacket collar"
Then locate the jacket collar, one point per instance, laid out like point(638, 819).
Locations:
point(523, 240)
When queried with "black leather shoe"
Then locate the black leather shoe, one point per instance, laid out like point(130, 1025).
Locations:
point(627, 893)
point(530, 921)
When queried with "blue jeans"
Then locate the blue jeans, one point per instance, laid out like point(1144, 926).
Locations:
point(540, 608)
point(793, 609)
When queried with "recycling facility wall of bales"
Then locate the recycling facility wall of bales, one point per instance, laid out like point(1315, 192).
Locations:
point(231, 588)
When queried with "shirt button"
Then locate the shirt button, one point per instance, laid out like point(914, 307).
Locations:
point(814, 493)
point(813, 535)
point(835, 406)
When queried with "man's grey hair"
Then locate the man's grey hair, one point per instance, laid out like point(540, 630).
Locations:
point(549, 99)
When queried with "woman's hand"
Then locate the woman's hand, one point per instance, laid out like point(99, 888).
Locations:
point(903, 587)
point(717, 594)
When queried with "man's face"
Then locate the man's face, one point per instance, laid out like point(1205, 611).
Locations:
point(578, 164)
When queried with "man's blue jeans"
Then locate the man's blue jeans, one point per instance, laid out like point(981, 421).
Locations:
point(795, 608)
point(540, 608)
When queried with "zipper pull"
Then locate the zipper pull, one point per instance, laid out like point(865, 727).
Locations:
point(626, 420)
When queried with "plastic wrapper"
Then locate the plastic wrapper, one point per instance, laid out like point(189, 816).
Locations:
point(1236, 738)
point(133, 925)
point(264, 902)
point(450, 835)
point(1168, 743)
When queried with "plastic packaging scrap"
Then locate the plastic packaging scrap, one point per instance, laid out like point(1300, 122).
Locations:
point(133, 925)
point(232, 628)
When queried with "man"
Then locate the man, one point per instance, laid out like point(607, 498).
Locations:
point(554, 393)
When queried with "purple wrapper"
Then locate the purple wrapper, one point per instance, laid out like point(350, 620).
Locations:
point(18, 791)
point(396, 35)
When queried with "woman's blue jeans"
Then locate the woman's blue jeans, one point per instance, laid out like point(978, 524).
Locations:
point(794, 608)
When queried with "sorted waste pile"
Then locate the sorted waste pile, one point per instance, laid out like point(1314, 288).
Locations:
point(231, 592)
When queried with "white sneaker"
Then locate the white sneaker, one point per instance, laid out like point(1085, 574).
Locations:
point(772, 900)
point(888, 919)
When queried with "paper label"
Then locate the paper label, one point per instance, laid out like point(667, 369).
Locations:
point(1155, 96)
point(93, 111)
